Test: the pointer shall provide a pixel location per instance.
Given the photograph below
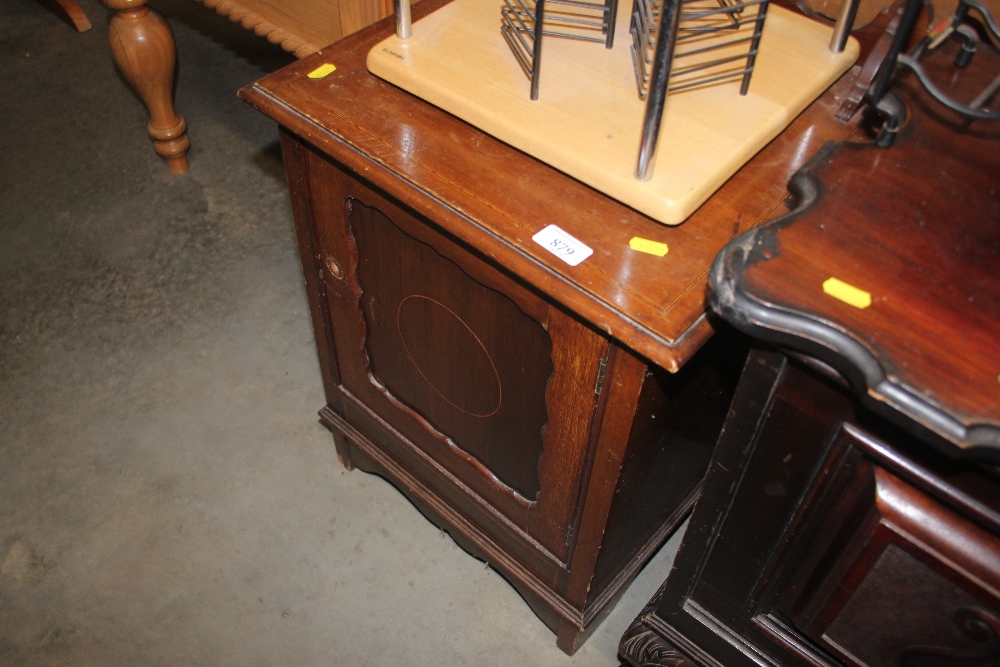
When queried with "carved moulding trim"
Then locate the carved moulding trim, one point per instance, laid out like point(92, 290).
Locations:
point(411, 484)
point(793, 641)
point(643, 647)
point(443, 438)
point(355, 286)
point(261, 27)
point(333, 420)
point(695, 655)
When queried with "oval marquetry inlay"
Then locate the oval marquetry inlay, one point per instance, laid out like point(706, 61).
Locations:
point(449, 356)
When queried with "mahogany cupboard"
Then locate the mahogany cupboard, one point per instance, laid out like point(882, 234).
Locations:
point(555, 419)
point(543, 446)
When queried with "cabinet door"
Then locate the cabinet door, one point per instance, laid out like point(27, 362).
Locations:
point(472, 381)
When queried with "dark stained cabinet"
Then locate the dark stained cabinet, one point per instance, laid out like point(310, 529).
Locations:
point(851, 512)
point(557, 420)
point(827, 536)
point(539, 442)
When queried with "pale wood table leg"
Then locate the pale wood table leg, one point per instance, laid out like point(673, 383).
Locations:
point(143, 48)
point(69, 11)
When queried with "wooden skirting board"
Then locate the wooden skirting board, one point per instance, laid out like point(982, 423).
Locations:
point(588, 116)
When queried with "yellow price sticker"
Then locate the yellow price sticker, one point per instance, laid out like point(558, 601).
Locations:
point(322, 71)
point(847, 293)
point(647, 246)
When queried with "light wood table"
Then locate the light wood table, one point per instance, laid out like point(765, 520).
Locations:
point(70, 12)
point(144, 51)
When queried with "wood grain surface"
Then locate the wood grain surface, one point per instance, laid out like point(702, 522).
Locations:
point(491, 196)
point(915, 227)
point(302, 26)
point(587, 120)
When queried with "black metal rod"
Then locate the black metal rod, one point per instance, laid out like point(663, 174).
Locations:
point(536, 58)
point(403, 23)
point(910, 13)
point(610, 20)
point(845, 23)
point(752, 56)
point(705, 81)
point(659, 82)
point(712, 64)
point(714, 47)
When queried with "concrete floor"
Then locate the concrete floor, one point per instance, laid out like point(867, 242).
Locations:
point(167, 495)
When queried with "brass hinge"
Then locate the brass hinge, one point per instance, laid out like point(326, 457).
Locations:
point(602, 370)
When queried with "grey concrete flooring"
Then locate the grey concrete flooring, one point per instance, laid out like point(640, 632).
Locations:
point(167, 495)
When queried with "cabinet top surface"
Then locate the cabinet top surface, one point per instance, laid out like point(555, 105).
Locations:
point(495, 198)
point(915, 228)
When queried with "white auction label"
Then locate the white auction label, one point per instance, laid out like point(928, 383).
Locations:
point(562, 245)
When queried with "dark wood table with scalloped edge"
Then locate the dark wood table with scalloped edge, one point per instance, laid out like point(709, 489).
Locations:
point(851, 511)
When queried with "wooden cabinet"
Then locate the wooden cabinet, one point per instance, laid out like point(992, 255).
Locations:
point(851, 512)
point(532, 437)
point(556, 420)
point(827, 536)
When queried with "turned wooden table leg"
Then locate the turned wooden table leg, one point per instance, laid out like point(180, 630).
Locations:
point(70, 12)
point(143, 48)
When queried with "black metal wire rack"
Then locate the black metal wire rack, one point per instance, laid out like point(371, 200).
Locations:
point(896, 62)
point(684, 44)
point(699, 29)
point(525, 22)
